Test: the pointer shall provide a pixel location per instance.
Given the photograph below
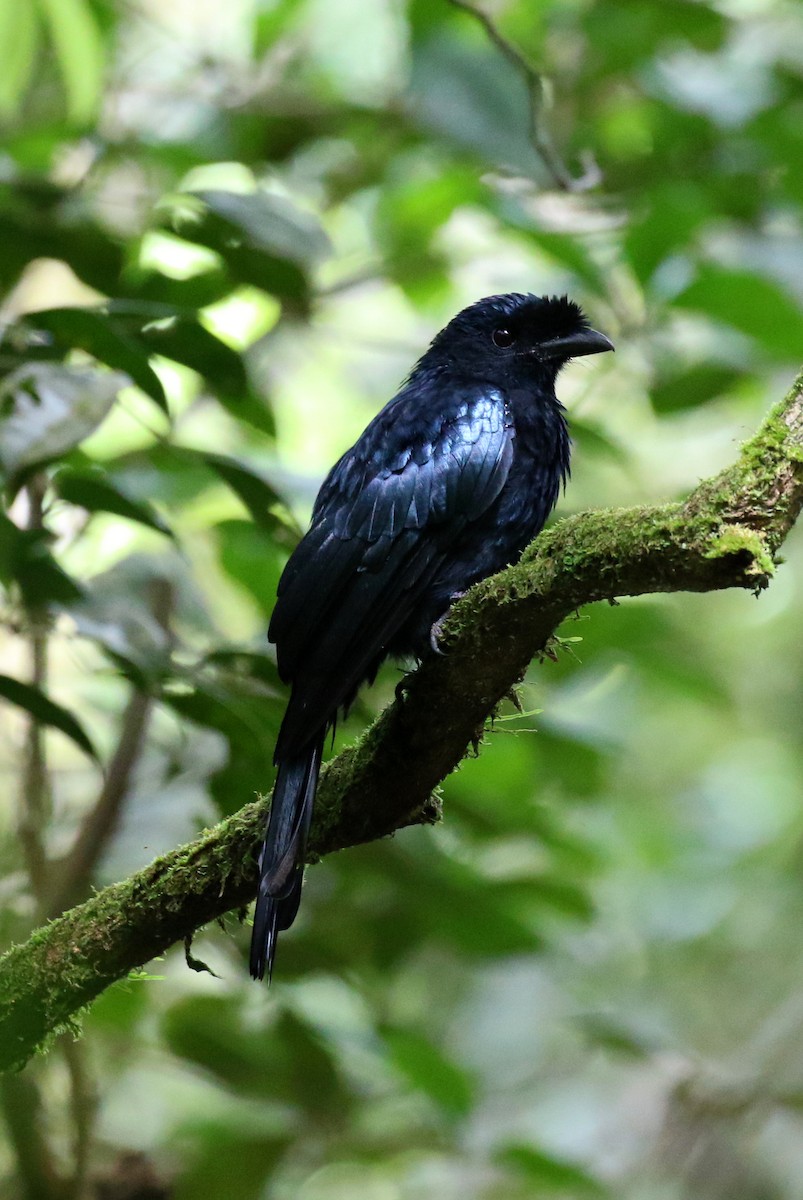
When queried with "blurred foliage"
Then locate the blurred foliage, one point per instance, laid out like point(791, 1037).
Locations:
point(227, 231)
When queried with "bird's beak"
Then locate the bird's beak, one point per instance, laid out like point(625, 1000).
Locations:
point(585, 341)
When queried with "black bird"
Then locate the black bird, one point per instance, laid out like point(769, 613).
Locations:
point(447, 485)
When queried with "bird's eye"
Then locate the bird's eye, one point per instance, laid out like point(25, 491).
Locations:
point(502, 338)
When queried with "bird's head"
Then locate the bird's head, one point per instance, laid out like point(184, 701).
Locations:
point(515, 340)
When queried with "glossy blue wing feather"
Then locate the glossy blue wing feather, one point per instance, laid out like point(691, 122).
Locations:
point(377, 531)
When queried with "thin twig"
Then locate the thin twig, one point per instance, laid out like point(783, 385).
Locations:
point(22, 1109)
point(538, 98)
point(34, 796)
point(83, 1108)
point(74, 874)
point(20, 1096)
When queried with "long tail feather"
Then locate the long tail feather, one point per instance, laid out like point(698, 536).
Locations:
point(281, 861)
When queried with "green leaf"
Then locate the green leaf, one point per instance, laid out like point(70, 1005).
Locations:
point(408, 217)
point(182, 473)
point(469, 97)
point(45, 710)
point(262, 238)
point(256, 493)
point(668, 216)
point(548, 1173)
point(750, 303)
point(186, 340)
point(249, 663)
point(97, 493)
point(20, 33)
point(225, 1162)
point(270, 223)
point(251, 557)
point(427, 1068)
point(52, 409)
point(79, 49)
point(26, 561)
point(117, 613)
point(97, 334)
point(248, 714)
point(591, 438)
point(612, 1035)
point(694, 386)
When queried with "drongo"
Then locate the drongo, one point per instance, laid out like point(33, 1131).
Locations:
point(448, 483)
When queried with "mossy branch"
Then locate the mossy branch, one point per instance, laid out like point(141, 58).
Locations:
point(726, 534)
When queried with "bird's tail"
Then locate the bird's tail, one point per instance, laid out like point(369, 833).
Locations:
point(281, 861)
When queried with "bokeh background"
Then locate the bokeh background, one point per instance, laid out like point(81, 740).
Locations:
point(588, 980)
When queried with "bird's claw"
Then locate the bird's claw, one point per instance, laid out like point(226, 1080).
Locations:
point(434, 634)
point(437, 626)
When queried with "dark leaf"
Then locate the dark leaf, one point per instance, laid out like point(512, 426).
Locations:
point(44, 710)
point(26, 560)
point(612, 1035)
point(227, 1163)
point(427, 1068)
point(183, 338)
point(548, 1173)
point(258, 496)
point(251, 557)
point(97, 334)
point(98, 494)
point(696, 385)
point(262, 238)
point(669, 215)
point(270, 223)
point(291, 1063)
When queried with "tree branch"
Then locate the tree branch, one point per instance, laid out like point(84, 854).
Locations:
point(726, 534)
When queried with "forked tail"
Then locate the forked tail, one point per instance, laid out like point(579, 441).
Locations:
point(281, 861)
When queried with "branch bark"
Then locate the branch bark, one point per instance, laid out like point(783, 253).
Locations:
point(726, 534)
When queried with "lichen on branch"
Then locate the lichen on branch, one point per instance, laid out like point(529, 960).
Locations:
point(725, 534)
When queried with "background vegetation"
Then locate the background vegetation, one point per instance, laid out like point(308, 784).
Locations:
point(226, 231)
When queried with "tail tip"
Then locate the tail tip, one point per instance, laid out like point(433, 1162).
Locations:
point(263, 940)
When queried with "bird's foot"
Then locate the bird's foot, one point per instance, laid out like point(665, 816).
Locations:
point(437, 627)
point(434, 636)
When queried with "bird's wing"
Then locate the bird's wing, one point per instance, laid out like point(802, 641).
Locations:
point(382, 526)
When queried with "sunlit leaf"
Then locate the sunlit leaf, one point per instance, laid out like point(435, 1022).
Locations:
point(20, 32)
point(79, 50)
point(51, 408)
point(263, 239)
point(97, 333)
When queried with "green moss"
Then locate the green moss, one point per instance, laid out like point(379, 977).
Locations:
point(736, 539)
